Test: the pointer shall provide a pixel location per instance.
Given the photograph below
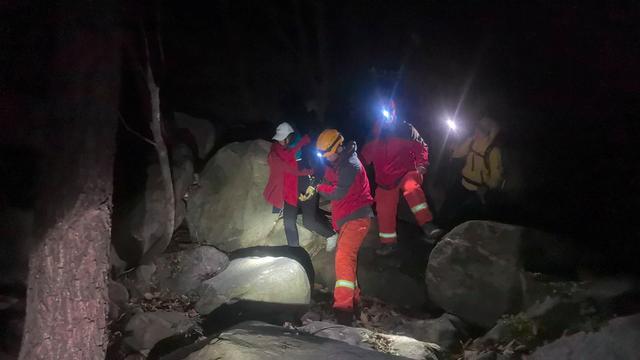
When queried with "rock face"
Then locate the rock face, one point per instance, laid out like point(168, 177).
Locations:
point(259, 341)
point(145, 221)
point(201, 131)
point(271, 280)
point(183, 271)
point(475, 272)
point(394, 279)
point(618, 340)
point(447, 331)
point(228, 211)
point(146, 329)
point(177, 273)
point(367, 339)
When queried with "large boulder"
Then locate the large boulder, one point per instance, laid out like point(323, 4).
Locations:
point(177, 273)
point(270, 280)
point(146, 329)
point(260, 341)
point(144, 222)
point(229, 211)
point(476, 273)
point(200, 132)
point(370, 340)
point(395, 279)
point(618, 340)
point(448, 331)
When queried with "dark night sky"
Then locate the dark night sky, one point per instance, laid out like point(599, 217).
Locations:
point(562, 77)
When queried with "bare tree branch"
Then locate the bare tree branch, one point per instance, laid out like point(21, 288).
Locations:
point(129, 129)
point(163, 158)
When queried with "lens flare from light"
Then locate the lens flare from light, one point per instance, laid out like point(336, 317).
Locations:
point(386, 113)
point(318, 154)
point(452, 125)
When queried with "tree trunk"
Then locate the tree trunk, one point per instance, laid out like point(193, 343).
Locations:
point(165, 166)
point(67, 297)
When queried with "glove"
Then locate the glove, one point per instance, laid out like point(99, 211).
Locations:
point(311, 191)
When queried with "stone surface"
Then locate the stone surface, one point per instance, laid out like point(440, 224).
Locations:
point(367, 339)
point(278, 280)
point(229, 211)
point(118, 299)
point(177, 273)
point(143, 222)
point(394, 279)
point(184, 271)
point(201, 131)
point(448, 331)
point(618, 340)
point(146, 329)
point(475, 272)
point(259, 341)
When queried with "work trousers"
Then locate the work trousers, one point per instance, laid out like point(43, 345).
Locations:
point(312, 219)
point(387, 205)
point(460, 205)
point(346, 294)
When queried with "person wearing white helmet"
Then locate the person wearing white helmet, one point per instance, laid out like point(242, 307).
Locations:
point(288, 178)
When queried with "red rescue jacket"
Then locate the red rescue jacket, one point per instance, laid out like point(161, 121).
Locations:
point(283, 174)
point(395, 153)
point(347, 188)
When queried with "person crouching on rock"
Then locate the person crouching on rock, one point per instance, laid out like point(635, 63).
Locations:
point(348, 189)
point(285, 180)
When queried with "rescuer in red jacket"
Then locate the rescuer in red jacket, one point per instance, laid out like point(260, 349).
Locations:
point(285, 183)
point(350, 195)
point(400, 158)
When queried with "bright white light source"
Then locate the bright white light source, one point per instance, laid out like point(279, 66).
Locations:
point(318, 154)
point(452, 125)
point(385, 113)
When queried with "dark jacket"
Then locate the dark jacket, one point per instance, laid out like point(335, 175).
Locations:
point(347, 188)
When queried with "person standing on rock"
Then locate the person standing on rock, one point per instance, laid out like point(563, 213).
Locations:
point(482, 176)
point(348, 189)
point(400, 158)
point(285, 180)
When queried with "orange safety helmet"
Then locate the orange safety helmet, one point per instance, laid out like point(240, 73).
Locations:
point(328, 142)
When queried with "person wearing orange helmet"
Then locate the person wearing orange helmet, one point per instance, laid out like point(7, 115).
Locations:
point(348, 189)
point(286, 180)
point(400, 158)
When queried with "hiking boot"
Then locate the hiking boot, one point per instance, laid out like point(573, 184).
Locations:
point(432, 232)
point(387, 249)
point(344, 317)
point(332, 241)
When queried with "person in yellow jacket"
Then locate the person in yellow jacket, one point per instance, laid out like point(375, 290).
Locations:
point(482, 173)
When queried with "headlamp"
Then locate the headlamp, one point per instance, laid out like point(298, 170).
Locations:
point(452, 125)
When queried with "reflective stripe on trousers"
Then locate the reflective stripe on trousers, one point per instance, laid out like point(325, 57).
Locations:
point(387, 205)
point(419, 207)
point(352, 234)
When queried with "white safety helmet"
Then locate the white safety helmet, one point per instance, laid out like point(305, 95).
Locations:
point(282, 131)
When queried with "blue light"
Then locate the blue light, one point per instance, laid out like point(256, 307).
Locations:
point(386, 114)
point(318, 154)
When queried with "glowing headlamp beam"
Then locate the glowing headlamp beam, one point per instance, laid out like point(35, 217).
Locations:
point(452, 125)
